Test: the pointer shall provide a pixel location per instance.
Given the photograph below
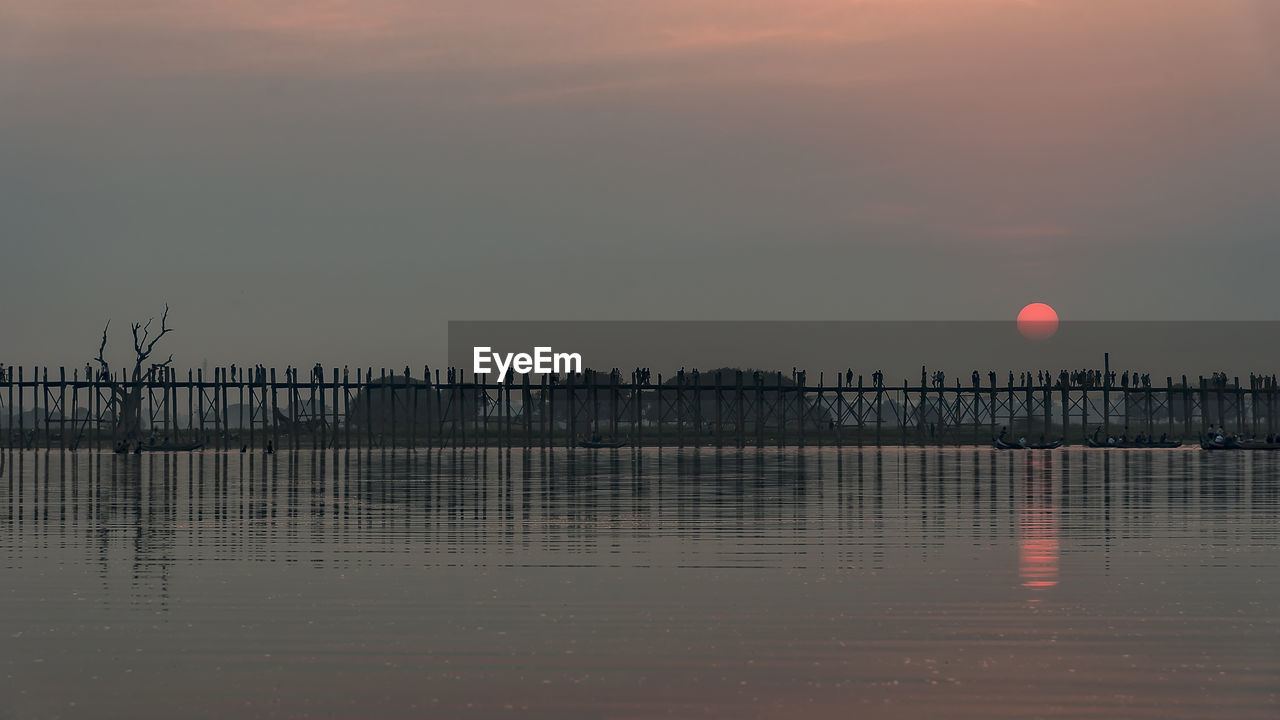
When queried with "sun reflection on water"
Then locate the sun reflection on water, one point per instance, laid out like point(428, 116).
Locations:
point(1038, 546)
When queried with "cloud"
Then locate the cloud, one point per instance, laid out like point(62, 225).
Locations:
point(337, 36)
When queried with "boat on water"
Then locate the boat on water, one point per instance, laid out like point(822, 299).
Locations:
point(171, 447)
point(1118, 445)
point(1237, 444)
point(1002, 445)
point(159, 447)
point(601, 443)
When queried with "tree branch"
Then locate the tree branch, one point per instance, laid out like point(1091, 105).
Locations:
point(139, 341)
point(102, 361)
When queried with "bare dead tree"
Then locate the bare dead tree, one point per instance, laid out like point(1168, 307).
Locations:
point(126, 396)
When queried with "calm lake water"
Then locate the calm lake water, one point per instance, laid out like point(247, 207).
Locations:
point(954, 583)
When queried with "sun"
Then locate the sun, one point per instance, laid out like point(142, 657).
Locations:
point(1037, 321)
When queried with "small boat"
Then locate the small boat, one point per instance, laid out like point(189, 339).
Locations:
point(1257, 445)
point(1238, 444)
point(601, 443)
point(1002, 445)
point(170, 447)
point(1116, 445)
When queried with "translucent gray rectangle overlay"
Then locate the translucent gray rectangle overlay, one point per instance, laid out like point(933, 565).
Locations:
point(900, 351)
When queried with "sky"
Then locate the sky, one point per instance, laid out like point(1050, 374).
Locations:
point(334, 181)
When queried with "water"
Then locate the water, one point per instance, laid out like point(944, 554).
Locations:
point(686, 584)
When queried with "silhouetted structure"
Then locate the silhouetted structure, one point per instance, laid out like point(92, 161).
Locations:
point(724, 407)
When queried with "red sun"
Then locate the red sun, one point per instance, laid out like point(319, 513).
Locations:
point(1037, 321)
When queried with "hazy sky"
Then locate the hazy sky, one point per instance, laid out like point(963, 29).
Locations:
point(333, 180)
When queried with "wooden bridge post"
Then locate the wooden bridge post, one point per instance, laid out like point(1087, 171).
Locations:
point(1241, 428)
point(1047, 393)
point(173, 401)
point(840, 387)
point(922, 409)
point(482, 408)
point(388, 385)
point(169, 417)
point(275, 410)
point(680, 379)
point(615, 379)
point(1029, 395)
point(1186, 407)
point(758, 378)
point(821, 408)
point(226, 405)
point(1221, 392)
point(697, 409)
point(8, 428)
point(191, 421)
point(507, 419)
point(860, 403)
point(459, 406)
point(1086, 389)
point(637, 409)
point(1125, 394)
point(291, 388)
point(526, 410)
point(333, 428)
point(1266, 391)
point(44, 395)
point(364, 389)
point(718, 394)
point(879, 410)
point(1012, 415)
point(217, 410)
point(1203, 393)
point(593, 378)
point(571, 406)
point(96, 402)
point(201, 395)
point(992, 407)
point(253, 380)
point(1106, 404)
point(1065, 382)
point(542, 411)
point(408, 406)
point(22, 423)
point(114, 404)
point(799, 381)
point(312, 410)
point(781, 413)
point(1271, 406)
point(1168, 405)
point(62, 406)
point(902, 415)
point(75, 403)
point(741, 397)
point(438, 415)
point(456, 432)
point(238, 380)
point(1151, 409)
point(958, 403)
point(975, 413)
point(657, 396)
point(413, 408)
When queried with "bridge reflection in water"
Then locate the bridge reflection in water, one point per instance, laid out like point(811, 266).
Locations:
point(774, 583)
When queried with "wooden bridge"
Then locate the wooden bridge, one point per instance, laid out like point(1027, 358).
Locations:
point(46, 408)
